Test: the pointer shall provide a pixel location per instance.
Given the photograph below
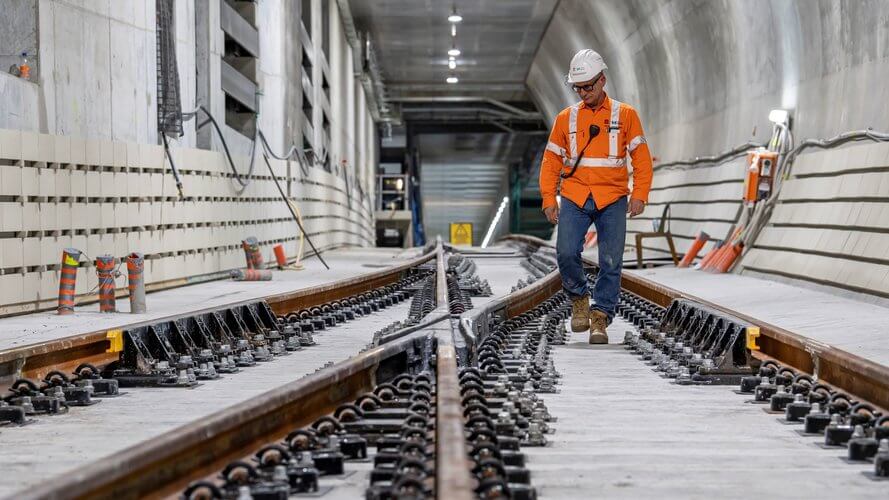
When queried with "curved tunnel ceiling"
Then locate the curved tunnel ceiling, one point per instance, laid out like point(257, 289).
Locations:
point(704, 74)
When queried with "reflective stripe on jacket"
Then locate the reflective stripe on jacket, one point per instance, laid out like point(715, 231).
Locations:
point(602, 171)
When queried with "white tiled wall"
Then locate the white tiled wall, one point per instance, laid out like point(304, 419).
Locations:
point(113, 197)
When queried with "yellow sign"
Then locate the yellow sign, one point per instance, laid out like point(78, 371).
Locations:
point(461, 233)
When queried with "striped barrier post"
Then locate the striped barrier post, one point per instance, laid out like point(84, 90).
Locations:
point(251, 275)
point(105, 270)
point(280, 256)
point(68, 279)
point(136, 282)
point(252, 253)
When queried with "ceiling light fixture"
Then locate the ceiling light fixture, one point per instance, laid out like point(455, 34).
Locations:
point(454, 52)
point(453, 30)
point(452, 79)
point(452, 64)
point(454, 17)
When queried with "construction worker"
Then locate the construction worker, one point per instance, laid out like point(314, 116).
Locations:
point(586, 154)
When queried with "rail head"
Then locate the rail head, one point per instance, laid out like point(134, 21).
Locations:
point(453, 478)
point(164, 465)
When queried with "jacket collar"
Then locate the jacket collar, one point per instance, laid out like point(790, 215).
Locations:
point(605, 104)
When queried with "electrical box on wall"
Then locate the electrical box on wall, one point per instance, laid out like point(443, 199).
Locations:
point(760, 178)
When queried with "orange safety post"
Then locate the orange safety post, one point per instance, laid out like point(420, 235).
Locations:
point(731, 255)
point(136, 282)
point(105, 270)
point(252, 253)
point(694, 249)
point(280, 256)
point(251, 275)
point(68, 279)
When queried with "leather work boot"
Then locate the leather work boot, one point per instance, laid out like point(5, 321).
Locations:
point(598, 324)
point(580, 314)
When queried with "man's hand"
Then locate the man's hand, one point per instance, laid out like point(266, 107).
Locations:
point(552, 214)
point(635, 207)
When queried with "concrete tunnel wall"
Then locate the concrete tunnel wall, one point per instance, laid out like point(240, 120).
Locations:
point(80, 164)
point(704, 76)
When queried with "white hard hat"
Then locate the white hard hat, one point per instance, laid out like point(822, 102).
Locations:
point(585, 65)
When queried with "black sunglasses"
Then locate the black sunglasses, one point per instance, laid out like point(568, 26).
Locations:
point(588, 88)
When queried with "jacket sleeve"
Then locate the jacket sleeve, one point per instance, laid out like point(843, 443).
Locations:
point(552, 163)
point(637, 146)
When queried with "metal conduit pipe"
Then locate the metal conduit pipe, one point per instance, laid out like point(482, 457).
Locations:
point(852, 136)
point(466, 109)
point(463, 99)
point(371, 80)
point(731, 153)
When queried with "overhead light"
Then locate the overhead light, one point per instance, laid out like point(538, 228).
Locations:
point(495, 221)
point(779, 116)
point(452, 64)
point(453, 30)
point(452, 79)
point(454, 17)
point(454, 52)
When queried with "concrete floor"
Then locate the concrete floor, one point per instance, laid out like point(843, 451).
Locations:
point(852, 325)
point(502, 274)
point(625, 432)
point(27, 329)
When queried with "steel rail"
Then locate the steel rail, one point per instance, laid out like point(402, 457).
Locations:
point(854, 374)
point(34, 361)
point(453, 479)
point(452, 472)
point(165, 465)
point(474, 323)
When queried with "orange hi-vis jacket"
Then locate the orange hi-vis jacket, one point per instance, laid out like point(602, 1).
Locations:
point(602, 172)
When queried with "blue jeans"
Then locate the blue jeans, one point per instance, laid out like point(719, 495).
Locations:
point(611, 229)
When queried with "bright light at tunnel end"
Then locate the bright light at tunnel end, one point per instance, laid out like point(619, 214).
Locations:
point(495, 221)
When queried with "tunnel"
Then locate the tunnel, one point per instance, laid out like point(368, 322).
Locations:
point(454, 249)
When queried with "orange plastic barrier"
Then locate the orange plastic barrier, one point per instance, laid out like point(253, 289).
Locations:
point(280, 256)
point(105, 269)
point(68, 279)
point(252, 253)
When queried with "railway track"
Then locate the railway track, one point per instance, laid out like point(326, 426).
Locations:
point(453, 404)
